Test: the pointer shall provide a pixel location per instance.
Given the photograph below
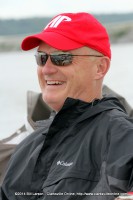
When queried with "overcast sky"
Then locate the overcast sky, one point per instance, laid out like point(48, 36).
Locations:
point(30, 8)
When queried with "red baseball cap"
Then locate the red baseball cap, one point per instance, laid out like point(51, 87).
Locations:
point(69, 31)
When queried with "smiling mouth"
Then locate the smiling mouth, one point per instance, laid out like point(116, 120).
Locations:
point(54, 82)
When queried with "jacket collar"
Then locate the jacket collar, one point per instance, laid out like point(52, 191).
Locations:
point(75, 111)
point(75, 107)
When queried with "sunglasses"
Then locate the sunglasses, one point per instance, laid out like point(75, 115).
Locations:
point(58, 58)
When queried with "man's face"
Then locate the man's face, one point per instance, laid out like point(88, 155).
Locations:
point(76, 80)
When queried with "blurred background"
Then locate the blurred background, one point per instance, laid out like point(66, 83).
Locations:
point(18, 69)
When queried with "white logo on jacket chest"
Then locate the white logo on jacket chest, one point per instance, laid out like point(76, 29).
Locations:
point(64, 163)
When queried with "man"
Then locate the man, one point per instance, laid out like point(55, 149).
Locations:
point(84, 150)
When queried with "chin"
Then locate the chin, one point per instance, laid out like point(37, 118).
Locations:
point(54, 102)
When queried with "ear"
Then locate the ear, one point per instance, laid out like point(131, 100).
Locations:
point(102, 67)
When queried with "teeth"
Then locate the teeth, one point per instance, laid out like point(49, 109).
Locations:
point(54, 83)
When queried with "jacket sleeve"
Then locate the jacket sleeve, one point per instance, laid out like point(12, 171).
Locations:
point(120, 155)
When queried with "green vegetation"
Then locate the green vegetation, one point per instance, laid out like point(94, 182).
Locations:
point(22, 26)
point(116, 35)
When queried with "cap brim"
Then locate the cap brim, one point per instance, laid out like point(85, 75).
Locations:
point(53, 39)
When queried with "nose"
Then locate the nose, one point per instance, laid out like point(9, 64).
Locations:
point(49, 68)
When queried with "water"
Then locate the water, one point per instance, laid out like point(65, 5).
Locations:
point(18, 74)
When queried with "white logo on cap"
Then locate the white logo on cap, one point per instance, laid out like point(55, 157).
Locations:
point(56, 21)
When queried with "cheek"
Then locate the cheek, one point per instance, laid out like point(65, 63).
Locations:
point(75, 81)
point(39, 71)
point(84, 78)
point(40, 77)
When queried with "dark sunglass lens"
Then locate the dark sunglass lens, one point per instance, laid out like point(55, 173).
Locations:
point(61, 59)
point(41, 59)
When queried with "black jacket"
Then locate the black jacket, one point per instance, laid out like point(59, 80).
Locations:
point(85, 152)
